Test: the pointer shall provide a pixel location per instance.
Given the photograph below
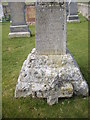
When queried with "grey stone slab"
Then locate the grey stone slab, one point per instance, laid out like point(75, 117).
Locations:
point(73, 8)
point(19, 34)
point(17, 10)
point(18, 26)
point(50, 28)
point(72, 12)
point(67, 8)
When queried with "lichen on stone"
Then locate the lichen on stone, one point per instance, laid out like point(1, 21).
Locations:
point(51, 77)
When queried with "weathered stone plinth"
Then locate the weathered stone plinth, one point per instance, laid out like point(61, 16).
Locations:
point(73, 18)
point(51, 77)
point(19, 31)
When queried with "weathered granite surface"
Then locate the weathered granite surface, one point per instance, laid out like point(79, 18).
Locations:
point(18, 26)
point(51, 77)
point(50, 28)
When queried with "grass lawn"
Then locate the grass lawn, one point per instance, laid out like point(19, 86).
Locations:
point(15, 51)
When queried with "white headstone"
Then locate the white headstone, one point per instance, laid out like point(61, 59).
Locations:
point(1, 12)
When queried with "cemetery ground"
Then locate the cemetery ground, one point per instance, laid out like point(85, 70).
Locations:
point(15, 51)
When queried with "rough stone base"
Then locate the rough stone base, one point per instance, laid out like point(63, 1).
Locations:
point(73, 18)
point(19, 28)
point(51, 77)
point(19, 34)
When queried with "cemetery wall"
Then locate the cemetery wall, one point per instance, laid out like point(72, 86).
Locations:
point(30, 14)
point(84, 9)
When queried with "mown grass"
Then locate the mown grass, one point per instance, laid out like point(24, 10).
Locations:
point(15, 51)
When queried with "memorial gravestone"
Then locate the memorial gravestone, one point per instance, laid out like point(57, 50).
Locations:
point(67, 9)
point(47, 38)
point(50, 71)
point(1, 12)
point(72, 11)
point(18, 27)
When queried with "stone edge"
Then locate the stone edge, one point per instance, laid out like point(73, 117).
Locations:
point(19, 34)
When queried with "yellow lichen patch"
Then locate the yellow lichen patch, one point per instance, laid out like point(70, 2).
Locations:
point(70, 90)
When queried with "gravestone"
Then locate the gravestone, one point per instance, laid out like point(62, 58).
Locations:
point(1, 12)
point(67, 9)
point(50, 23)
point(72, 14)
point(50, 71)
point(18, 27)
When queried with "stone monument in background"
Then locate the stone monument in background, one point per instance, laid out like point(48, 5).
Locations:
point(1, 12)
point(72, 11)
point(67, 9)
point(18, 27)
point(50, 71)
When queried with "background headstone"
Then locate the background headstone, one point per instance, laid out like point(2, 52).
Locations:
point(1, 12)
point(6, 12)
point(50, 28)
point(72, 11)
point(18, 27)
point(67, 9)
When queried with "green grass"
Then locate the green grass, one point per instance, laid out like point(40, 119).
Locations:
point(15, 51)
